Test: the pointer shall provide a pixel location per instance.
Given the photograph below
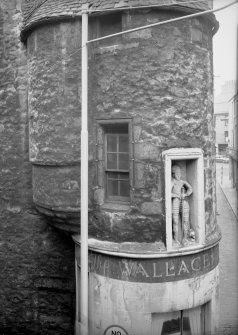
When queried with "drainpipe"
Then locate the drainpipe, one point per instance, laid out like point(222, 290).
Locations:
point(84, 177)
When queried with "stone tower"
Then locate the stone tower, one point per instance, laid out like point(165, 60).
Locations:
point(150, 108)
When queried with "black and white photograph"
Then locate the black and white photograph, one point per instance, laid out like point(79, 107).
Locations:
point(118, 167)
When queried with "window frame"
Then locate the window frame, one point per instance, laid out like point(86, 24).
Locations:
point(102, 174)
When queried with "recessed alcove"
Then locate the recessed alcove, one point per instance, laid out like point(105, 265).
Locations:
point(190, 162)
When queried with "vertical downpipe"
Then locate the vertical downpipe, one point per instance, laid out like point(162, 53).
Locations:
point(84, 176)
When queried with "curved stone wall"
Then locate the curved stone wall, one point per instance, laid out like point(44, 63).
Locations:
point(159, 80)
point(134, 293)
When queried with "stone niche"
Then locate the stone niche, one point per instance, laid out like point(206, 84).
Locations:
point(190, 161)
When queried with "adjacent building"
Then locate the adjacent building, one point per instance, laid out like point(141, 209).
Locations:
point(153, 261)
point(221, 116)
point(233, 140)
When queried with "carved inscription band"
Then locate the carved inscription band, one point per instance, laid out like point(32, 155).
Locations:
point(154, 270)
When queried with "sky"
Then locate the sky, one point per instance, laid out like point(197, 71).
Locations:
point(225, 44)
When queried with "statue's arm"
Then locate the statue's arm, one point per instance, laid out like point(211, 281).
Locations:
point(189, 190)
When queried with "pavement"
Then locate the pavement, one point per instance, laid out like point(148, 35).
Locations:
point(222, 174)
point(227, 221)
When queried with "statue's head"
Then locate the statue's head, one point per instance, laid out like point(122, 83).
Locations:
point(176, 172)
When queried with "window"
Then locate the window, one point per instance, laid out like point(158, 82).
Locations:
point(225, 120)
point(114, 176)
point(192, 321)
point(117, 162)
point(222, 149)
point(226, 133)
point(179, 325)
point(104, 25)
point(110, 24)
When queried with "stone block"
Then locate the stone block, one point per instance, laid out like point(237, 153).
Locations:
point(151, 208)
point(196, 35)
point(99, 196)
point(145, 151)
point(141, 34)
point(139, 181)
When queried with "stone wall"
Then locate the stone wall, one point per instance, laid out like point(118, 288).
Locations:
point(160, 79)
point(37, 263)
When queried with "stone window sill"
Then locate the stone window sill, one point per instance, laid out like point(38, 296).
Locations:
point(113, 206)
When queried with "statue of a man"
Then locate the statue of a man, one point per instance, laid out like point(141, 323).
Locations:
point(180, 191)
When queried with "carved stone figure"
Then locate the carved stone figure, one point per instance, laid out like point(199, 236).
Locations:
point(180, 207)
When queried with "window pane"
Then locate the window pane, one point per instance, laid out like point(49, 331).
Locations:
point(112, 187)
point(123, 144)
point(124, 188)
point(171, 327)
point(112, 175)
point(112, 161)
point(120, 128)
point(194, 322)
point(123, 176)
point(111, 143)
point(186, 325)
point(123, 162)
point(111, 23)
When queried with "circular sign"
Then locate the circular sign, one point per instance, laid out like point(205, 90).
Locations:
point(115, 330)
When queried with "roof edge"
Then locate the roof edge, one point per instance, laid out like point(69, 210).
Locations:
point(25, 31)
